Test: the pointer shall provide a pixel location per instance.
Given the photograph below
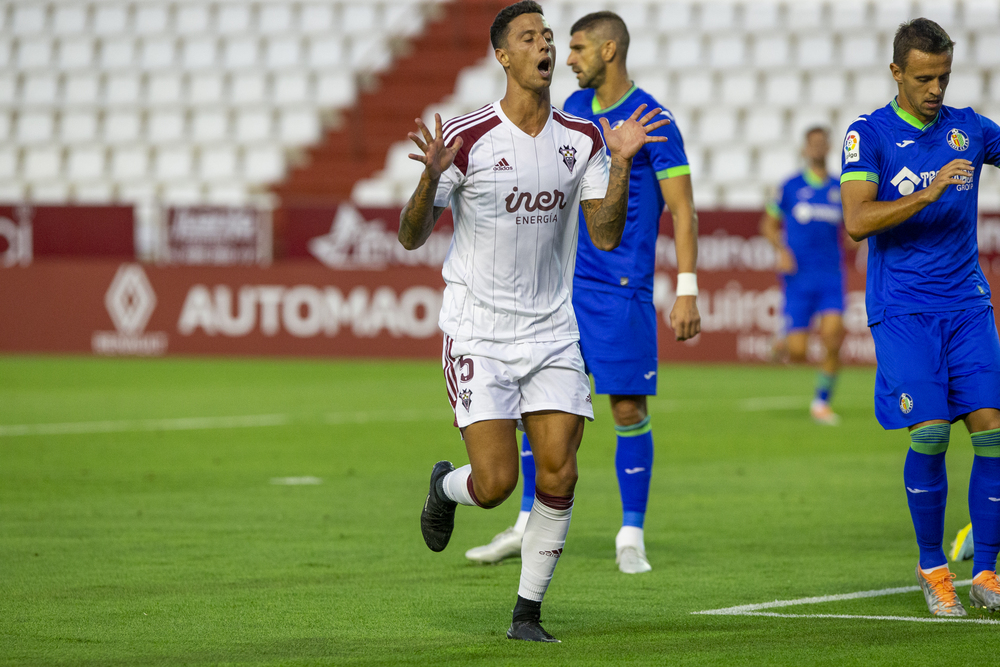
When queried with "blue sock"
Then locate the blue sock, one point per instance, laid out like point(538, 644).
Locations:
point(634, 463)
point(528, 470)
point(927, 490)
point(984, 493)
point(824, 385)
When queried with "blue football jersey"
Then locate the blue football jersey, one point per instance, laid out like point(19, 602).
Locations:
point(930, 262)
point(810, 208)
point(631, 263)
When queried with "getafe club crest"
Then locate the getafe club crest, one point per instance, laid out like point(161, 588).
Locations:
point(957, 139)
point(905, 403)
point(569, 156)
point(466, 396)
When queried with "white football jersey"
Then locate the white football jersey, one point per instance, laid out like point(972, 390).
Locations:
point(515, 200)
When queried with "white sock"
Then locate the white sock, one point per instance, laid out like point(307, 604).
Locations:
point(522, 521)
point(456, 485)
point(541, 546)
point(929, 570)
point(630, 536)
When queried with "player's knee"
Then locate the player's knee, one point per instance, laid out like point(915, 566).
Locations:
point(628, 412)
point(797, 354)
point(561, 482)
point(495, 489)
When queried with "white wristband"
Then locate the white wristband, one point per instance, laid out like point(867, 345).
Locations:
point(687, 284)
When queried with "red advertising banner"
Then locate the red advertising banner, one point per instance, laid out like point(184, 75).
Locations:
point(216, 236)
point(351, 292)
point(28, 232)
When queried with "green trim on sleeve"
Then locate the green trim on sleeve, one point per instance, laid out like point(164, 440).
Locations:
point(859, 176)
point(682, 170)
point(774, 210)
point(596, 109)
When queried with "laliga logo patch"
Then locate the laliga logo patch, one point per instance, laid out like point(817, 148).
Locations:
point(466, 396)
point(905, 403)
point(852, 147)
point(569, 156)
point(957, 139)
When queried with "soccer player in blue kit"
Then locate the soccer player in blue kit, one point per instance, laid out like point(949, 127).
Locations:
point(613, 291)
point(804, 224)
point(910, 185)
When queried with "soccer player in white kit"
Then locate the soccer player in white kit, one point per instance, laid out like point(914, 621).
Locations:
point(516, 173)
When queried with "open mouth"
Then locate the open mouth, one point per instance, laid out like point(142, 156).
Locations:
point(545, 66)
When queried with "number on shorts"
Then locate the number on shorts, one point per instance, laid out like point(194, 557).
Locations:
point(468, 368)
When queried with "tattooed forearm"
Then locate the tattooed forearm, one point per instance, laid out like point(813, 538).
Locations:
point(606, 218)
point(417, 219)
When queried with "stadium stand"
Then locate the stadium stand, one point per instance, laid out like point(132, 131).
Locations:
point(223, 102)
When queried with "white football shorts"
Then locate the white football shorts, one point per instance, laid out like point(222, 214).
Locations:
point(490, 380)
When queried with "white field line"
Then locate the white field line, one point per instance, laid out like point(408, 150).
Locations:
point(755, 609)
point(182, 424)
point(756, 404)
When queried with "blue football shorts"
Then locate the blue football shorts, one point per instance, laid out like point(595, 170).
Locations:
point(806, 295)
point(936, 366)
point(618, 339)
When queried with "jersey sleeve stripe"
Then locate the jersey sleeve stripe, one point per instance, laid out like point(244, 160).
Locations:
point(583, 127)
point(859, 176)
point(681, 170)
point(470, 135)
point(774, 210)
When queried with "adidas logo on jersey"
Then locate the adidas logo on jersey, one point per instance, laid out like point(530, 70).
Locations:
point(503, 165)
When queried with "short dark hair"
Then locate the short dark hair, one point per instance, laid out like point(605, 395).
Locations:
point(498, 31)
point(614, 23)
point(920, 34)
point(817, 128)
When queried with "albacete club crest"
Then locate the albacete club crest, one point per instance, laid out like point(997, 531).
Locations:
point(466, 396)
point(569, 156)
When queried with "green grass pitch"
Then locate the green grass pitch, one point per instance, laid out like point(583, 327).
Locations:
point(134, 541)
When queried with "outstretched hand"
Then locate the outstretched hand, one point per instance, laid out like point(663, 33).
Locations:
point(628, 138)
point(436, 156)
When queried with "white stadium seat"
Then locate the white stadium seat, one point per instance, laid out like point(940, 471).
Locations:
point(34, 53)
point(325, 52)
point(770, 51)
point(730, 163)
point(849, 14)
point(814, 51)
point(804, 119)
point(110, 19)
point(193, 18)
point(76, 53)
point(684, 51)
point(944, 12)
point(241, 52)
point(764, 126)
point(28, 19)
point(760, 16)
point(297, 127)
point(717, 15)
point(117, 53)
point(233, 19)
point(158, 53)
point(275, 18)
point(210, 125)
point(777, 163)
point(122, 127)
point(78, 127)
point(86, 163)
point(34, 127)
point(282, 52)
point(783, 89)
point(890, 13)
point(40, 89)
point(9, 163)
point(6, 52)
point(335, 89)
point(804, 15)
point(81, 89)
point(987, 49)
point(173, 163)
point(744, 196)
point(263, 164)
point(359, 19)
point(717, 127)
point(965, 89)
point(96, 192)
point(5, 126)
point(827, 89)
point(218, 163)
point(316, 18)
point(253, 125)
point(198, 53)
point(42, 163)
point(739, 88)
point(165, 127)
point(291, 88)
point(49, 192)
point(164, 88)
point(873, 89)
point(644, 51)
point(696, 88)
point(186, 192)
point(151, 19)
point(130, 163)
point(248, 88)
point(860, 51)
point(980, 14)
point(726, 52)
point(206, 88)
point(69, 19)
point(123, 89)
